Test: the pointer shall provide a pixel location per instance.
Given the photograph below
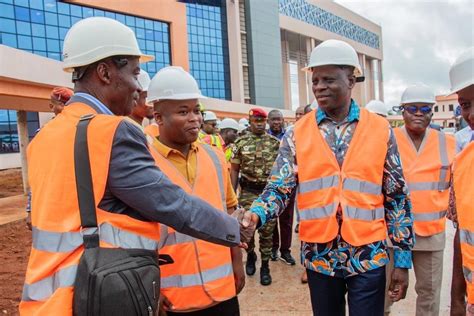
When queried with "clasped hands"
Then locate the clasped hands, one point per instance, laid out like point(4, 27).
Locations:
point(248, 223)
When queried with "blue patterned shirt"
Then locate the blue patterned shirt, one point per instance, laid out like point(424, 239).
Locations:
point(338, 257)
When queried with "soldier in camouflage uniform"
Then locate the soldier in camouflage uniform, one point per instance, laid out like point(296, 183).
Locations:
point(253, 155)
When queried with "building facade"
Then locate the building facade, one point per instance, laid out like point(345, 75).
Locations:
point(242, 52)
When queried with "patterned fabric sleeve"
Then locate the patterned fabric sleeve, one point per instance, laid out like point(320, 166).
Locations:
point(452, 214)
point(281, 182)
point(398, 209)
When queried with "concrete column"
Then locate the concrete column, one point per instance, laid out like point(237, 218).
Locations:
point(302, 75)
point(311, 43)
point(286, 73)
point(380, 77)
point(24, 140)
point(364, 85)
point(235, 51)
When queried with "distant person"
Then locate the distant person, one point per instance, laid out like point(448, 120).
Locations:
point(276, 124)
point(427, 156)
point(209, 133)
point(229, 131)
point(377, 107)
point(142, 109)
point(252, 157)
point(299, 112)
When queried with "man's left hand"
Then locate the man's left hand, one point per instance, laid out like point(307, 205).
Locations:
point(398, 284)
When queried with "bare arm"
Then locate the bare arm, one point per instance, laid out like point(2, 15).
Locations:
point(234, 175)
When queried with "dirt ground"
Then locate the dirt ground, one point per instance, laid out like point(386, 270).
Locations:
point(10, 182)
point(15, 242)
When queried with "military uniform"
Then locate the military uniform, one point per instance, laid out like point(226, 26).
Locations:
point(255, 154)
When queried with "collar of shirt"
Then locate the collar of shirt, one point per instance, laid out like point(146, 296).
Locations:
point(354, 113)
point(91, 101)
point(279, 136)
point(165, 151)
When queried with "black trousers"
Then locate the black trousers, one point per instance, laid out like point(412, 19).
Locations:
point(226, 308)
point(365, 292)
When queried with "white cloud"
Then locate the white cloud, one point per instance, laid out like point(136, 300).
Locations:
point(421, 39)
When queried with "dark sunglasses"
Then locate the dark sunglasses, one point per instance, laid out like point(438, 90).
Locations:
point(413, 109)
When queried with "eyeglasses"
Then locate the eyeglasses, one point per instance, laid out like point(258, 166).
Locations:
point(414, 109)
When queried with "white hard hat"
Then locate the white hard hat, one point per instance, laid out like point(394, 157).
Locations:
point(209, 116)
point(244, 122)
point(242, 127)
point(377, 107)
point(314, 105)
point(335, 52)
point(96, 38)
point(418, 93)
point(461, 73)
point(173, 83)
point(144, 79)
point(229, 123)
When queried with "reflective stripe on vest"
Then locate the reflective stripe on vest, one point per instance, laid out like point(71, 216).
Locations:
point(44, 288)
point(217, 165)
point(364, 214)
point(173, 238)
point(467, 274)
point(69, 241)
point(466, 236)
point(317, 212)
point(198, 278)
point(318, 184)
point(427, 217)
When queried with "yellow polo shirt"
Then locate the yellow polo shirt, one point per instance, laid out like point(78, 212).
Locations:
point(187, 166)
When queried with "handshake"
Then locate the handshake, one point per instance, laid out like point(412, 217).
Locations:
point(248, 223)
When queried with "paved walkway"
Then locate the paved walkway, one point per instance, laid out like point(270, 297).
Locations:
point(12, 208)
point(287, 296)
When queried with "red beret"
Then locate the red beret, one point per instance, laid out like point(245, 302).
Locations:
point(257, 112)
point(61, 94)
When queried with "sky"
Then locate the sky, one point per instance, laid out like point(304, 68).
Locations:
point(421, 39)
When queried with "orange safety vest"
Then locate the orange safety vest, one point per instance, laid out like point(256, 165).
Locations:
point(202, 273)
point(152, 130)
point(356, 187)
point(214, 140)
point(427, 175)
point(464, 192)
point(57, 235)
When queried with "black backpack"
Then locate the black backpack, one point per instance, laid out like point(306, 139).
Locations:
point(109, 281)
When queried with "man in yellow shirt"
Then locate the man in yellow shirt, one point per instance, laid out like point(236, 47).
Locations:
point(189, 164)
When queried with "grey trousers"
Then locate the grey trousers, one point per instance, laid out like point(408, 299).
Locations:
point(428, 266)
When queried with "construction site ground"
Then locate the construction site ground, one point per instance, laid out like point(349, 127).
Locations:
point(285, 296)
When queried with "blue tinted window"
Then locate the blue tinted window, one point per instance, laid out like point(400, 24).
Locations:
point(37, 16)
point(64, 20)
point(39, 43)
point(40, 26)
point(7, 25)
point(87, 12)
point(76, 10)
point(6, 11)
point(51, 18)
point(23, 3)
point(9, 40)
point(53, 45)
point(23, 28)
point(50, 5)
point(63, 8)
point(22, 14)
point(52, 31)
point(36, 4)
point(208, 48)
point(24, 42)
point(38, 30)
